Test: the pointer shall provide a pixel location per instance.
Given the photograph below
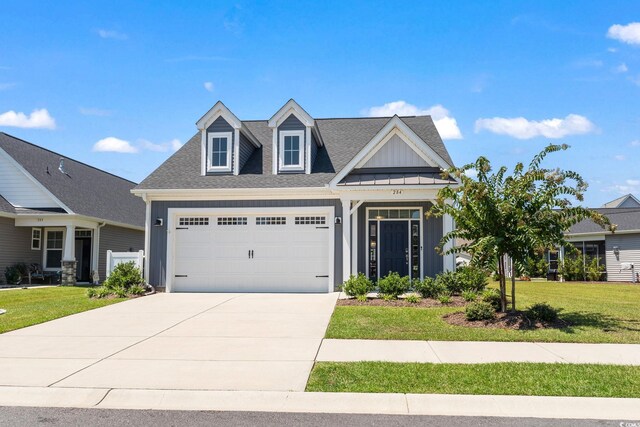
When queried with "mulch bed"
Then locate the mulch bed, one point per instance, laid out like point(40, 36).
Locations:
point(517, 320)
point(424, 302)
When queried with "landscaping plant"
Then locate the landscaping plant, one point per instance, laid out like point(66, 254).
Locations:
point(358, 286)
point(393, 285)
point(469, 296)
point(501, 216)
point(450, 281)
point(542, 312)
point(124, 281)
point(444, 298)
point(429, 288)
point(479, 310)
point(492, 296)
point(413, 298)
point(472, 278)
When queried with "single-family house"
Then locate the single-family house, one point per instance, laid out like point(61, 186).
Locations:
point(63, 214)
point(295, 203)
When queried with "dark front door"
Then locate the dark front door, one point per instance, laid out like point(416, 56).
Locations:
point(394, 247)
point(83, 258)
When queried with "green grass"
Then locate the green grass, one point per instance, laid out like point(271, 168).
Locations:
point(528, 379)
point(26, 307)
point(597, 312)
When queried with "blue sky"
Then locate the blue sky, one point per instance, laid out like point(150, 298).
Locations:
point(501, 78)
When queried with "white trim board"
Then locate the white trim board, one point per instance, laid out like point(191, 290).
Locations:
point(291, 107)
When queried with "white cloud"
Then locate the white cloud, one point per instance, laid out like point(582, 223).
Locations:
point(112, 34)
point(612, 49)
point(446, 125)
point(622, 68)
point(208, 86)
point(471, 173)
point(635, 143)
point(94, 112)
point(114, 145)
point(619, 157)
point(521, 128)
point(629, 33)
point(38, 119)
point(173, 145)
point(629, 186)
point(5, 86)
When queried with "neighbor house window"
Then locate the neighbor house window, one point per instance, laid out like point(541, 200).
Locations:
point(36, 239)
point(219, 149)
point(291, 150)
point(54, 241)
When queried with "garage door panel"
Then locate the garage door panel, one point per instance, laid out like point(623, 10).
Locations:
point(287, 255)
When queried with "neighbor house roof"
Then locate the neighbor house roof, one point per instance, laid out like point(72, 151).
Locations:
point(628, 199)
point(625, 219)
point(6, 206)
point(84, 189)
point(343, 139)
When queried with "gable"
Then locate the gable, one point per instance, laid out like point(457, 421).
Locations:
point(629, 202)
point(395, 153)
point(20, 189)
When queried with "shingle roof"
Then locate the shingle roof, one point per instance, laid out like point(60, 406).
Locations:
point(6, 206)
point(84, 189)
point(343, 139)
point(416, 176)
point(624, 218)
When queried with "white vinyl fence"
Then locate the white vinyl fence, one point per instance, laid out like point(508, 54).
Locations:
point(115, 258)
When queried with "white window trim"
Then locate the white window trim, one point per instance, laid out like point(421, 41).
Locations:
point(46, 249)
point(301, 145)
point(39, 239)
point(210, 137)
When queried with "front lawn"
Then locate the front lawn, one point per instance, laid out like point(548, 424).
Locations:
point(596, 312)
point(26, 307)
point(527, 379)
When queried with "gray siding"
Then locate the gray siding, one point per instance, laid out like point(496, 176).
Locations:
point(314, 150)
point(629, 245)
point(220, 125)
point(431, 230)
point(158, 243)
point(117, 239)
point(292, 123)
point(246, 150)
point(629, 203)
point(15, 246)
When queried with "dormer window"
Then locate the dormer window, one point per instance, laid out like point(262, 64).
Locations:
point(291, 150)
point(219, 152)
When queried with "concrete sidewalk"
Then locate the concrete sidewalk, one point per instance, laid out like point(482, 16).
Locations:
point(333, 350)
point(339, 403)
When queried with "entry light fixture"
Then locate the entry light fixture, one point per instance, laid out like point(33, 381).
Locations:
point(158, 222)
point(338, 220)
point(616, 250)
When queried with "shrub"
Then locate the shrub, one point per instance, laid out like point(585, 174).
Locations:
point(492, 296)
point(479, 310)
point(413, 298)
point(444, 299)
point(429, 288)
point(12, 275)
point(542, 312)
point(469, 295)
point(472, 278)
point(358, 286)
point(536, 267)
point(450, 281)
point(393, 285)
point(125, 280)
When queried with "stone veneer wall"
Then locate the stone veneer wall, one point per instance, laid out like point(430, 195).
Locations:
point(69, 273)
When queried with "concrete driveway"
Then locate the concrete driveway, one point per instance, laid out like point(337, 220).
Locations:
point(174, 341)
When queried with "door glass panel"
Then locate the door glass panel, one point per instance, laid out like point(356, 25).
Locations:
point(415, 249)
point(373, 249)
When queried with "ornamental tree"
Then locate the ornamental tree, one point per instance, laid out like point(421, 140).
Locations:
point(500, 216)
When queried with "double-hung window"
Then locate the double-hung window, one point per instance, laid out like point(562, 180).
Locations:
point(219, 152)
point(54, 242)
point(291, 150)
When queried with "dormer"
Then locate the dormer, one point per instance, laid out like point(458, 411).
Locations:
point(226, 143)
point(296, 139)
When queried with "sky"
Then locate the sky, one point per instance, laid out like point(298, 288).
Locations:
point(120, 85)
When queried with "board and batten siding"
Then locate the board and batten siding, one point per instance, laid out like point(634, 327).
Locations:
point(117, 239)
point(158, 238)
point(431, 234)
point(15, 246)
point(19, 189)
point(395, 153)
point(220, 125)
point(629, 246)
point(292, 123)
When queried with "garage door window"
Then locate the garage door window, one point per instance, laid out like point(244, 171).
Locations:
point(194, 221)
point(310, 220)
point(271, 220)
point(232, 220)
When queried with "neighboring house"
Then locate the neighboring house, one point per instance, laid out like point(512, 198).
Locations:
point(62, 214)
point(295, 204)
point(612, 249)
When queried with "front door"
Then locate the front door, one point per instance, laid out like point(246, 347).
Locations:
point(83, 258)
point(394, 247)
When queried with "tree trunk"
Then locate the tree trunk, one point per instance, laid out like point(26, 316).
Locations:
point(503, 285)
point(513, 286)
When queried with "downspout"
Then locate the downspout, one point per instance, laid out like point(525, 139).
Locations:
point(95, 276)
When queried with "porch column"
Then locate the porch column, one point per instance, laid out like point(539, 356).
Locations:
point(69, 257)
point(346, 238)
point(354, 243)
point(448, 260)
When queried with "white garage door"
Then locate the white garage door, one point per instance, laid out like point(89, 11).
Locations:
point(261, 252)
